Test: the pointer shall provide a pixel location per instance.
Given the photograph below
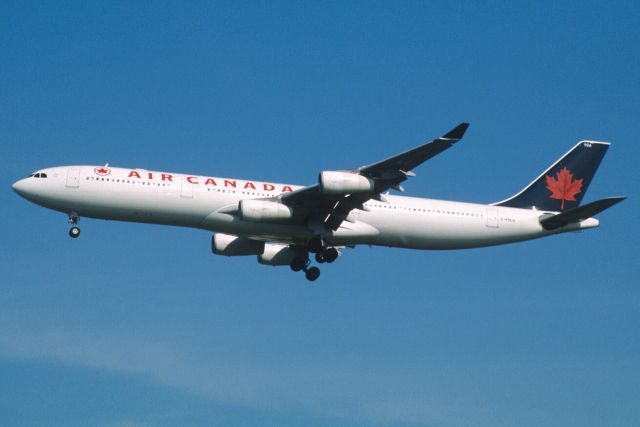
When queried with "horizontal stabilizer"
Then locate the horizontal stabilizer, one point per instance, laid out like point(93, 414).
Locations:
point(579, 213)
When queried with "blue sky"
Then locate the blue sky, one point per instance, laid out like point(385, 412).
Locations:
point(140, 325)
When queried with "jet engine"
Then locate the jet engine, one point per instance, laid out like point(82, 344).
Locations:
point(263, 211)
point(277, 254)
point(229, 245)
point(337, 182)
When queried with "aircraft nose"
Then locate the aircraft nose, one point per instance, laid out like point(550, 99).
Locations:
point(19, 187)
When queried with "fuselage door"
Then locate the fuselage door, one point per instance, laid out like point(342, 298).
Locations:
point(186, 189)
point(73, 177)
point(492, 216)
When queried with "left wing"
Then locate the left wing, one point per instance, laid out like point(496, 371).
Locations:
point(332, 207)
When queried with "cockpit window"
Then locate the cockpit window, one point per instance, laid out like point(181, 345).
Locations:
point(39, 175)
point(36, 175)
point(43, 175)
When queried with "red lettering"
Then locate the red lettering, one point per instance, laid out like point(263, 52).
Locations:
point(286, 188)
point(192, 179)
point(210, 181)
point(167, 177)
point(228, 183)
point(150, 175)
point(249, 185)
point(133, 174)
point(268, 187)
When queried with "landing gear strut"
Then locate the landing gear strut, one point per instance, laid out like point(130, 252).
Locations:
point(74, 232)
point(316, 244)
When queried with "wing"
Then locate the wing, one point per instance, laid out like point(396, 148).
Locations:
point(332, 209)
point(396, 169)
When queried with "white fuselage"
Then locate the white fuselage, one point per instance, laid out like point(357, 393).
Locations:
point(205, 202)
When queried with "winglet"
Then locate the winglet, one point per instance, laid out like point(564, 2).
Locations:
point(457, 132)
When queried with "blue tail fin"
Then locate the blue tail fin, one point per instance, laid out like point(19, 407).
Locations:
point(563, 185)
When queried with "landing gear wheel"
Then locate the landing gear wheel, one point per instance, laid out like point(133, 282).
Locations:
point(74, 232)
point(312, 274)
point(330, 255)
point(298, 264)
point(320, 257)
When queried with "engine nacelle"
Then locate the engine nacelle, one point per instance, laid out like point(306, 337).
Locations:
point(263, 211)
point(276, 254)
point(226, 244)
point(337, 182)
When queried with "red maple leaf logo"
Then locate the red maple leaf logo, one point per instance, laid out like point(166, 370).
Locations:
point(563, 186)
point(102, 171)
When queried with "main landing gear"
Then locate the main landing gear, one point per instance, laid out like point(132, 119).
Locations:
point(301, 263)
point(74, 232)
point(327, 255)
point(312, 273)
point(322, 254)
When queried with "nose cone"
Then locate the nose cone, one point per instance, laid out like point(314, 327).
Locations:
point(20, 187)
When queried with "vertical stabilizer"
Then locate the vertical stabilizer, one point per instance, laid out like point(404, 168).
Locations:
point(563, 185)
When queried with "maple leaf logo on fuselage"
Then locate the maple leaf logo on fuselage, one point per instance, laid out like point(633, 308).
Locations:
point(103, 171)
point(563, 186)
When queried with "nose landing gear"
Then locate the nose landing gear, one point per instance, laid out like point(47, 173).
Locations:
point(74, 232)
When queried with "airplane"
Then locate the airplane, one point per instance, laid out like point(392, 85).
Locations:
point(283, 224)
